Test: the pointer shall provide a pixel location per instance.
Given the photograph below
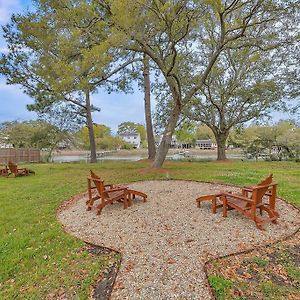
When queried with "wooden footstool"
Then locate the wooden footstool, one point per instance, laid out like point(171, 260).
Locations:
point(213, 198)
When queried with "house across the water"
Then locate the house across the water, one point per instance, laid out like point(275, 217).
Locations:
point(205, 144)
point(131, 138)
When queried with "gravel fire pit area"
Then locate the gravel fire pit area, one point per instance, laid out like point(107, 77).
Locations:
point(165, 242)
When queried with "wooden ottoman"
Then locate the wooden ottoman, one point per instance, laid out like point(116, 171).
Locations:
point(213, 198)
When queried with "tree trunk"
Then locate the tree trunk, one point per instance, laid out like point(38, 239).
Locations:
point(221, 145)
point(49, 156)
point(89, 122)
point(148, 117)
point(167, 138)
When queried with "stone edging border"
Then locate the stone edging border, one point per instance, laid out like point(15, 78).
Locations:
point(79, 196)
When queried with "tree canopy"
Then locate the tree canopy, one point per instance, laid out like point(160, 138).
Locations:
point(65, 50)
point(62, 52)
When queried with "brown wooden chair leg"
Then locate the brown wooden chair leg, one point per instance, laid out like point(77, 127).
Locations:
point(224, 200)
point(101, 205)
point(88, 202)
point(126, 201)
point(214, 204)
point(130, 197)
point(273, 215)
point(259, 226)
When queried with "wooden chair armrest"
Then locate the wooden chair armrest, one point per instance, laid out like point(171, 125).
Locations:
point(247, 188)
point(263, 186)
point(94, 179)
point(237, 197)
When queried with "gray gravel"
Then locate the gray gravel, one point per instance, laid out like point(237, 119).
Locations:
point(166, 241)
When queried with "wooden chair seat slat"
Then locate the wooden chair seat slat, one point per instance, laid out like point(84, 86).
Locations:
point(238, 202)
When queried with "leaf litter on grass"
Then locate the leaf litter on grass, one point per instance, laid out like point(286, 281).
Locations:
point(266, 273)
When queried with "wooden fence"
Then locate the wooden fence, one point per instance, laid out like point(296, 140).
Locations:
point(19, 155)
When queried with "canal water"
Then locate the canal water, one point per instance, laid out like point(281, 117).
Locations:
point(85, 158)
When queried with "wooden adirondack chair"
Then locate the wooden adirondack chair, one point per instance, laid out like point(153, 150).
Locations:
point(109, 193)
point(248, 205)
point(92, 189)
point(18, 171)
point(106, 195)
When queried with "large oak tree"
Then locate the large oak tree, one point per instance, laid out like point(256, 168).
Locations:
point(185, 38)
point(241, 86)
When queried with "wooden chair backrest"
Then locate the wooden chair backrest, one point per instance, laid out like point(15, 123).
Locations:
point(99, 184)
point(259, 192)
point(267, 180)
point(12, 167)
point(93, 175)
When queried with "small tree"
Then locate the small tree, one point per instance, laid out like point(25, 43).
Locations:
point(273, 142)
point(186, 133)
point(100, 130)
point(203, 132)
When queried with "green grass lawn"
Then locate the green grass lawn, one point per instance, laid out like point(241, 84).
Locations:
point(38, 259)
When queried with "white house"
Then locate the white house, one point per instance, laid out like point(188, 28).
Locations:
point(131, 138)
point(4, 143)
point(205, 144)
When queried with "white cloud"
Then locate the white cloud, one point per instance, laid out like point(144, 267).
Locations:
point(7, 7)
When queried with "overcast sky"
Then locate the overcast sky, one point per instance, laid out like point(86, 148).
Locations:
point(115, 107)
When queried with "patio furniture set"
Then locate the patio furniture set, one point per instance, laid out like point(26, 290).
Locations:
point(261, 197)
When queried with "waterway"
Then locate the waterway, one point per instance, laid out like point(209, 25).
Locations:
point(185, 157)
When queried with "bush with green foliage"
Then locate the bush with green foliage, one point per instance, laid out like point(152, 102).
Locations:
point(275, 143)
